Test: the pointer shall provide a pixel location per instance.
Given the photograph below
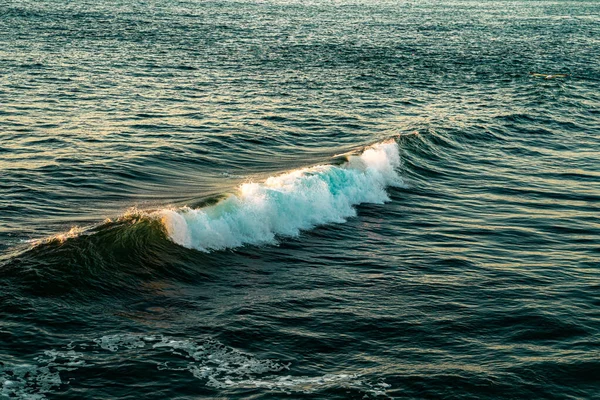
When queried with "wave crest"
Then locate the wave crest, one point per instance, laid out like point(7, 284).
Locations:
point(286, 204)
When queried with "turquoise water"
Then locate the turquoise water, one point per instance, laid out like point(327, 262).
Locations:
point(282, 199)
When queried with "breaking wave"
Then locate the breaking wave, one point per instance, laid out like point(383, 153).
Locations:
point(286, 204)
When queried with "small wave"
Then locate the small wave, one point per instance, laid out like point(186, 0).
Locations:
point(259, 213)
point(286, 204)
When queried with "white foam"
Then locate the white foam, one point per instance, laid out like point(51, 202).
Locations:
point(220, 366)
point(33, 382)
point(223, 367)
point(286, 204)
point(211, 362)
point(114, 342)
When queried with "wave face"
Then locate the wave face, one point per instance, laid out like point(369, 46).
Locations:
point(286, 204)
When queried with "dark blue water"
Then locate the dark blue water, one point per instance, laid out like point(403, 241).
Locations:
point(285, 199)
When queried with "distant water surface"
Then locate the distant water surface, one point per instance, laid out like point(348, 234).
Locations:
point(290, 199)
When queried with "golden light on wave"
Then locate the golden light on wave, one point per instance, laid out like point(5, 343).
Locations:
point(61, 237)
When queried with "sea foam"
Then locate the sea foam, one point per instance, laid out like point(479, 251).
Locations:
point(213, 363)
point(286, 204)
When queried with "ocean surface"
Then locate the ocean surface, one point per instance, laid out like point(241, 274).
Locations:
point(299, 199)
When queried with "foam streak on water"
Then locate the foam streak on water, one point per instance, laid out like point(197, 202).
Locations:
point(286, 204)
point(216, 365)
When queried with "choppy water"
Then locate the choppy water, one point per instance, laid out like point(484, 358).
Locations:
point(280, 199)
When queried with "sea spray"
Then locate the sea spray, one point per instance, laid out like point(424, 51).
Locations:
point(286, 204)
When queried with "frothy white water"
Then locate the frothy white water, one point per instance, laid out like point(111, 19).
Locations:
point(216, 365)
point(286, 204)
